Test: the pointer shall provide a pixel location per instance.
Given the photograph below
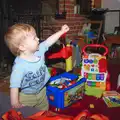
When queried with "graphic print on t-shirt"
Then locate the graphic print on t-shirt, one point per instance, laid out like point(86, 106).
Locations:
point(34, 81)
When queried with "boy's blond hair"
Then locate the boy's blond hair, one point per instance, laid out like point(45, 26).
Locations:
point(15, 35)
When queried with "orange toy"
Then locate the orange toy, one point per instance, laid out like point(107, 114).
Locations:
point(85, 115)
point(99, 117)
point(47, 115)
point(42, 115)
point(12, 115)
point(65, 53)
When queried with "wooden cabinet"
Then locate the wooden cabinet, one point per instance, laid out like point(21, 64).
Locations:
point(86, 5)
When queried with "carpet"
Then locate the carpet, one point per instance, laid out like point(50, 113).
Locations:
point(99, 105)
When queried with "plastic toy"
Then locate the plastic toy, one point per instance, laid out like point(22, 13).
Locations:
point(86, 115)
point(94, 91)
point(76, 53)
point(92, 106)
point(90, 36)
point(42, 115)
point(52, 71)
point(94, 68)
point(68, 61)
point(64, 89)
point(111, 98)
point(48, 115)
point(82, 115)
point(66, 53)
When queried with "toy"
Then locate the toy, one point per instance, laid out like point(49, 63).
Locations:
point(94, 69)
point(92, 106)
point(76, 53)
point(111, 98)
point(48, 115)
point(42, 115)
point(65, 89)
point(86, 115)
point(90, 37)
point(52, 71)
point(82, 115)
point(66, 53)
point(94, 91)
point(68, 61)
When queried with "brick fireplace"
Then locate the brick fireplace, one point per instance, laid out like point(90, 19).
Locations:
point(74, 21)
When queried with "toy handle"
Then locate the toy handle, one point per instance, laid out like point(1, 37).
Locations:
point(95, 45)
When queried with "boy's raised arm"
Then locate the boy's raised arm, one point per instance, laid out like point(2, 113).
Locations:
point(53, 38)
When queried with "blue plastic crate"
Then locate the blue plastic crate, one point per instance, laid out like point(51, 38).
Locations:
point(61, 98)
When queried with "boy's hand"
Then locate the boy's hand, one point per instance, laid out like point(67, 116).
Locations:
point(65, 28)
point(17, 105)
point(14, 92)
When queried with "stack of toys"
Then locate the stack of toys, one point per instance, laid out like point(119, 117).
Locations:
point(48, 115)
point(65, 89)
point(66, 53)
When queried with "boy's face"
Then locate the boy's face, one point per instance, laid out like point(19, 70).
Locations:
point(31, 42)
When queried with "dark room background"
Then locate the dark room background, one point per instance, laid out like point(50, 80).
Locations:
point(27, 11)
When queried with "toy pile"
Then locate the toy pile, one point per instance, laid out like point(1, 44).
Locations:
point(48, 115)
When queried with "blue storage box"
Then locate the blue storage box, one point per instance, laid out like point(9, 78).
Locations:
point(65, 89)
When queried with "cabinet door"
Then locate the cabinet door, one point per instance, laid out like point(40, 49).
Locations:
point(85, 6)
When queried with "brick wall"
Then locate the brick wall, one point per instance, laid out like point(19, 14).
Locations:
point(74, 21)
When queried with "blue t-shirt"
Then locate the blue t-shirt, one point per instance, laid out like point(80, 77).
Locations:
point(31, 77)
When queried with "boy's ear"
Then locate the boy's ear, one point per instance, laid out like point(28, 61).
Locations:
point(22, 48)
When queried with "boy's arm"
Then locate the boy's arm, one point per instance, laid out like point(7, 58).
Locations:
point(14, 97)
point(53, 38)
point(43, 47)
point(15, 82)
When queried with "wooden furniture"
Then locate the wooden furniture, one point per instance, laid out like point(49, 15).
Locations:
point(111, 40)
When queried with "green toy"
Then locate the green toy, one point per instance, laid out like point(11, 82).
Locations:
point(93, 91)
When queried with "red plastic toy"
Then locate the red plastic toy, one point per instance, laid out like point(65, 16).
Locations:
point(86, 115)
point(65, 53)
